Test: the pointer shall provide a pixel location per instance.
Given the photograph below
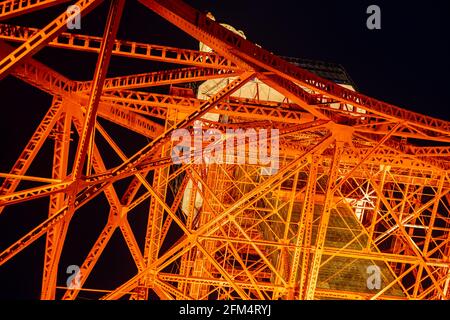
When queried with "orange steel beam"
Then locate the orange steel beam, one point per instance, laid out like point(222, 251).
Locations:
point(294, 93)
point(31, 236)
point(81, 199)
point(93, 256)
point(45, 226)
point(406, 134)
point(29, 153)
point(55, 239)
point(185, 23)
point(156, 210)
point(349, 253)
point(168, 210)
point(39, 39)
point(14, 8)
point(176, 203)
point(28, 178)
point(128, 49)
point(429, 151)
point(43, 77)
point(304, 236)
point(324, 220)
point(130, 120)
point(159, 78)
point(38, 75)
point(156, 105)
point(112, 25)
point(33, 193)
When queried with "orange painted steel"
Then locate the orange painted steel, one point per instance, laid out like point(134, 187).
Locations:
point(354, 189)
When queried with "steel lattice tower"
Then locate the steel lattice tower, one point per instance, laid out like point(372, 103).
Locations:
point(356, 187)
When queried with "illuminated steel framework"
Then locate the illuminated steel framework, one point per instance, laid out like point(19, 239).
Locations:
point(360, 182)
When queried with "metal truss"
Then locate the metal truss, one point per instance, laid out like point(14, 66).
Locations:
point(129, 49)
point(360, 182)
point(13, 8)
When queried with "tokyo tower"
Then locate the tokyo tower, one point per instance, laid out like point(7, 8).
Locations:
point(351, 201)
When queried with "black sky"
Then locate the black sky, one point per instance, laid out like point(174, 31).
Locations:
point(405, 63)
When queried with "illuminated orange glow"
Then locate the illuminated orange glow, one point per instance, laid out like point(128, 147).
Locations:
point(351, 191)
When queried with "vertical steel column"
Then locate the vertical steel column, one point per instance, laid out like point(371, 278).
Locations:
point(112, 25)
point(156, 213)
point(323, 226)
point(56, 235)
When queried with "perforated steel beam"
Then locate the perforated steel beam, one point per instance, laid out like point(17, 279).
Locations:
point(13, 8)
point(128, 49)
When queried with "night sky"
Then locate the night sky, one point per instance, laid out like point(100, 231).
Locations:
point(406, 63)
